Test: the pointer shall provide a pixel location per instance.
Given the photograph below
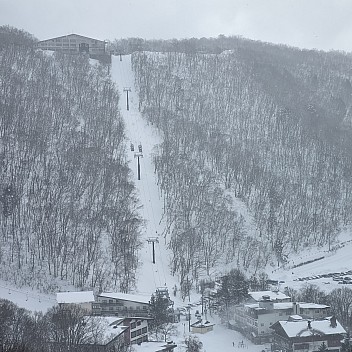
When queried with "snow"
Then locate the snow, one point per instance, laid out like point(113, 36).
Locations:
point(337, 260)
point(138, 131)
point(75, 297)
point(274, 296)
point(127, 297)
point(288, 305)
point(108, 327)
point(300, 328)
point(26, 297)
point(151, 276)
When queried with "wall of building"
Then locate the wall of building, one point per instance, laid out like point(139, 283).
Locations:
point(138, 331)
point(70, 44)
point(113, 306)
point(258, 321)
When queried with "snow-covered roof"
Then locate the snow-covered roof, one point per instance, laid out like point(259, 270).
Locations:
point(274, 295)
point(126, 297)
point(75, 297)
point(288, 305)
point(300, 328)
point(151, 346)
point(201, 324)
point(108, 330)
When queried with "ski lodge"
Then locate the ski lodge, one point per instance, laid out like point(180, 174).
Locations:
point(75, 44)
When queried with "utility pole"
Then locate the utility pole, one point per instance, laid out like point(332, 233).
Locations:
point(127, 90)
point(152, 240)
point(138, 155)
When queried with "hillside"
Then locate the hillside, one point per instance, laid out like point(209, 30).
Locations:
point(250, 148)
point(69, 212)
point(265, 126)
point(243, 164)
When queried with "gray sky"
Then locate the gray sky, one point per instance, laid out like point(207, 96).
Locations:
point(321, 24)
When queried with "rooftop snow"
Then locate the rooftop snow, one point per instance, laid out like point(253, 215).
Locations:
point(126, 297)
point(300, 328)
point(288, 305)
point(75, 297)
point(108, 330)
point(258, 296)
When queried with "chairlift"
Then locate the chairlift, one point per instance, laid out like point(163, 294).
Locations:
point(140, 148)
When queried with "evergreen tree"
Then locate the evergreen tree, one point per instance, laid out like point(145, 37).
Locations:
point(234, 289)
point(161, 308)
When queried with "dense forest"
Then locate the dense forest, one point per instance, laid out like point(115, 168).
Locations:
point(260, 126)
point(255, 161)
point(68, 207)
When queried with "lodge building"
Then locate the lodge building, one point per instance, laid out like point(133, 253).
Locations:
point(75, 44)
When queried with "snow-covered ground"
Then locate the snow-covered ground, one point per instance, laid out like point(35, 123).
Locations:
point(139, 132)
point(151, 276)
point(26, 297)
point(337, 260)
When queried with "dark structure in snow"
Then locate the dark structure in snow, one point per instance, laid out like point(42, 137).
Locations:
point(74, 44)
point(308, 335)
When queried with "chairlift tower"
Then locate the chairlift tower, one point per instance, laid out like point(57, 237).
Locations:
point(138, 155)
point(152, 240)
point(127, 90)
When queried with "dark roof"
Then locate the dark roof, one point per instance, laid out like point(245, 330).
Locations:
point(69, 35)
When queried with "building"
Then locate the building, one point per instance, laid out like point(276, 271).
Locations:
point(84, 299)
point(101, 334)
point(274, 296)
point(307, 335)
point(121, 305)
point(255, 319)
point(75, 44)
point(201, 328)
point(137, 331)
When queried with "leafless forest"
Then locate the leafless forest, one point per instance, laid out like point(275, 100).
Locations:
point(69, 209)
point(267, 125)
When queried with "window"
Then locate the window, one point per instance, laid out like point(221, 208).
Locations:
point(111, 301)
point(139, 322)
point(133, 325)
point(139, 332)
point(133, 334)
point(144, 307)
point(144, 330)
point(140, 340)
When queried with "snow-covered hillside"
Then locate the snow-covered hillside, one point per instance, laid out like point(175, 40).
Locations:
point(150, 276)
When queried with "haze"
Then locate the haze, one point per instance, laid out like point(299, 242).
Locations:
point(321, 24)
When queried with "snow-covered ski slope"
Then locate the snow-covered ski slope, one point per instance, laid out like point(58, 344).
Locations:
point(150, 276)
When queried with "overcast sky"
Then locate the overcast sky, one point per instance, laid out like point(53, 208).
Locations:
point(321, 24)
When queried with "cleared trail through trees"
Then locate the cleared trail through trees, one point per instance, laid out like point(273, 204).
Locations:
point(139, 132)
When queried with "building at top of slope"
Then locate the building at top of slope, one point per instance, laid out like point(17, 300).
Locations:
point(75, 44)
